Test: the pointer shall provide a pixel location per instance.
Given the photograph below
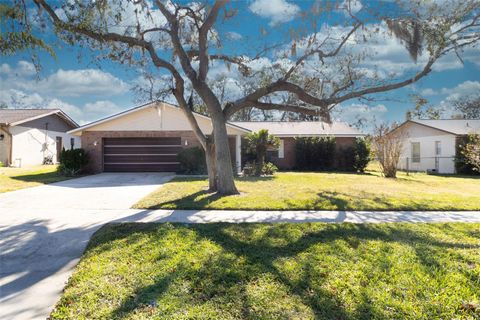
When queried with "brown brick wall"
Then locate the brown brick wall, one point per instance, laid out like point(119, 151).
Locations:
point(288, 162)
point(95, 164)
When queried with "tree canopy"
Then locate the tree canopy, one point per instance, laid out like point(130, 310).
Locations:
point(310, 66)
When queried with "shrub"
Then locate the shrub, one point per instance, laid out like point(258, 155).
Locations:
point(192, 161)
point(258, 144)
point(362, 155)
point(254, 169)
point(315, 153)
point(467, 160)
point(345, 159)
point(388, 144)
point(269, 169)
point(1, 164)
point(72, 161)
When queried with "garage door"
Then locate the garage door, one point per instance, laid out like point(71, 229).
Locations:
point(141, 154)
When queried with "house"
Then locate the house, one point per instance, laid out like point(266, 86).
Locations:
point(284, 158)
point(30, 136)
point(430, 145)
point(149, 137)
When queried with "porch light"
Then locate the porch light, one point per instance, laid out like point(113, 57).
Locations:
point(186, 142)
point(2, 136)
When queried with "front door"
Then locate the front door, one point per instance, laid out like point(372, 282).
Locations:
point(58, 143)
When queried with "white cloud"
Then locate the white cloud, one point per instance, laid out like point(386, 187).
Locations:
point(278, 11)
point(62, 83)
point(82, 114)
point(82, 82)
point(357, 113)
point(352, 6)
point(463, 89)
point(25, 68)
point(5, 68)
point(232, 35)
point(428, 92)
point(102, 107)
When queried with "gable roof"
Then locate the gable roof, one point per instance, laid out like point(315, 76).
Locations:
point(302, 128)
point(454, 126)
point(14, 117)
point(142, 107)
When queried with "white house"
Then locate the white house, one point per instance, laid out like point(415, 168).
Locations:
point(431, 144)
point(29, 136)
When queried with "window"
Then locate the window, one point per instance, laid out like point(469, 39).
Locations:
point(415, 152)
point(281, 149)
point(72, 143)
point(438, 148)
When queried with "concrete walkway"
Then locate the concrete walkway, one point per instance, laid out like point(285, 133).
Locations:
point(44, 230)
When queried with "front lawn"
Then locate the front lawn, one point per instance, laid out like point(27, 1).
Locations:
point(19, 178)
point(277, 271)
point(324, 191)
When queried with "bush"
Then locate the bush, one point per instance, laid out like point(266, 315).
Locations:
point(269, 169)
point(362, 154)
point(463, 164)
point(254, 169)
point(345, 159)
point(72, 161)
point(315, 153)
point(1, 164)
point(192, 161)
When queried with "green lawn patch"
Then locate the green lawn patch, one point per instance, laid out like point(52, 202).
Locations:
point(20, 178)
point(324, 191)
point(277, 271)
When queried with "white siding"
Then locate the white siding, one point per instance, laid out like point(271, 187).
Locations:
point(427, 138)
point(162, 118)
point(30, 146)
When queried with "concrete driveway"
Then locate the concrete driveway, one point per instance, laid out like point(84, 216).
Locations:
point(44, 231)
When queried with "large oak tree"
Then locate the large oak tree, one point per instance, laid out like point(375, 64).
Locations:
point(323, 58)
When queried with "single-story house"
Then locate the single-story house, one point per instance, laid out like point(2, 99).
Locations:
point(29, 136)
point(431, 145)
point(287, 132)
point(149, 137)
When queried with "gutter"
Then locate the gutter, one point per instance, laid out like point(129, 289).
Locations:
point(10, 153)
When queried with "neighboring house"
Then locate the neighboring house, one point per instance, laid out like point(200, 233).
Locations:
point(149, 137)
point(430, 145)
point(28, 136)
point(284, 157)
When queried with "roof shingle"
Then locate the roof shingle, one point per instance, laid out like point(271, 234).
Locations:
point(302, 128)
point(454, 126)
point(8, 116)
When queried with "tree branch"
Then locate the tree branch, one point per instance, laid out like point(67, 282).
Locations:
point(203, 39)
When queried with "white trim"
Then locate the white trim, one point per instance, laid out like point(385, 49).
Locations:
point(142, 107)
point(318, 135)
point(128, 163)
point(281, 149)
point(238, 153)
point(141, 145)
point(140, 154)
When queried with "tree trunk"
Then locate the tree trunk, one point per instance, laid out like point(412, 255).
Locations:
point(223, 162)
point(211, 167)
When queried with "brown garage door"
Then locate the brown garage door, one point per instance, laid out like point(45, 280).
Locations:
point(141, 154)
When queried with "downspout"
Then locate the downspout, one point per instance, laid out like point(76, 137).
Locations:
point(9, 158)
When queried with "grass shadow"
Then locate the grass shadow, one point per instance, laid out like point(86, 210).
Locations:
point(253, 252)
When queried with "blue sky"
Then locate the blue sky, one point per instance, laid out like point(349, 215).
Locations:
point(88, 90)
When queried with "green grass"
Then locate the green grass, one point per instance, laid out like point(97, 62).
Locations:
point(324, 191)
point(277, 271)
point(20, 178)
